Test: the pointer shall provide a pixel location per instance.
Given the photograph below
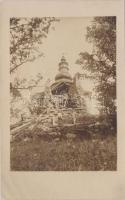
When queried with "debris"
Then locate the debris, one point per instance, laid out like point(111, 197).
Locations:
point(70, 135)
point(31, 127)
point(26, 139)
point(45, 128)
point(56, 139)
point(54, 133)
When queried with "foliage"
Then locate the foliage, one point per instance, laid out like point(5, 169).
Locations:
point(26, 36)
point(19, 85)
point(19, 106)
point(102, 62)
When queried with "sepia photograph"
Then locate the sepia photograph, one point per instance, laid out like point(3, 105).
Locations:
point(63, 113)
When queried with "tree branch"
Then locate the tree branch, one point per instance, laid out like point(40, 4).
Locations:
point(13, 69)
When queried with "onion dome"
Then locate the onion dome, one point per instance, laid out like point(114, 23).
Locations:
point(63, 76)
point(63, 70)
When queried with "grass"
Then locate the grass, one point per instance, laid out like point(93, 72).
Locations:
point(86, 154)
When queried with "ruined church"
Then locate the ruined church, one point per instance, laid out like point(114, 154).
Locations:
point(65, 91)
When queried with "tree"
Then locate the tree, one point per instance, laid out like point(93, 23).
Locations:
point(26, 36)
point(22, 84)
point(102, 62)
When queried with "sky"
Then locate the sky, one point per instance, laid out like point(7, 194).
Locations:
point(67, 39)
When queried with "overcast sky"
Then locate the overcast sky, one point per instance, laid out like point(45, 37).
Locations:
point(68, 38)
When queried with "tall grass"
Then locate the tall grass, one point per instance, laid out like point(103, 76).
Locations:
point(64, 154)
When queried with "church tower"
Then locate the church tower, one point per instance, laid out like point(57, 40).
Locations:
point(63, 79)
point(63, 71)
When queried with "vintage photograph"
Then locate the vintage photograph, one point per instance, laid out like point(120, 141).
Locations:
point(63, 114)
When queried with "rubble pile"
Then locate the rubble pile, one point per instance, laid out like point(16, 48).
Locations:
point(53, 124)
